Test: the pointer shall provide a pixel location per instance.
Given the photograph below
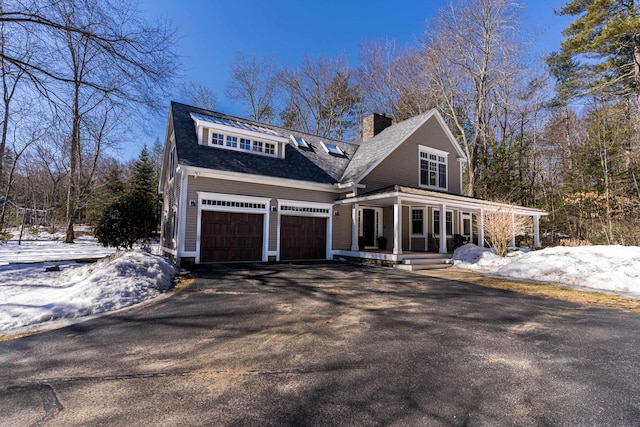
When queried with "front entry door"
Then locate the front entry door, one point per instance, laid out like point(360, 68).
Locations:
point(370, 226)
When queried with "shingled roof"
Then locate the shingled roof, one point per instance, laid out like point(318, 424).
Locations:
point(381, 145)
point(313, 164)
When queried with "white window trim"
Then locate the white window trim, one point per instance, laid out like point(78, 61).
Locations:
point(239, 137)
point(303, 144)
point(339, 153)
point(313, 206)
point(378, 220)
point(435, 151)
point(436, 232)
point(424, 221)
point(234, 199)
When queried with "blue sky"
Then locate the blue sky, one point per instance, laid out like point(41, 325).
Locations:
point(212, 31)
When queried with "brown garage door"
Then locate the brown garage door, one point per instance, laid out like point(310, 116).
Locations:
point(303, 237)
point(227, 236)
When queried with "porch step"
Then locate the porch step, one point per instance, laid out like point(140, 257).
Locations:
point(425, 262)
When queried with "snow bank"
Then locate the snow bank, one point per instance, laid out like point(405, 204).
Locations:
point(27, 296)
point(605, 268)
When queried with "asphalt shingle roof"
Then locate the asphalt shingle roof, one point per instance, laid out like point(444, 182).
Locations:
point(380, 146)
point(313, 164)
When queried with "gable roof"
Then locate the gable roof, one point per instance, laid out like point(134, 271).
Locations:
point(376, 149)
point(311, 164)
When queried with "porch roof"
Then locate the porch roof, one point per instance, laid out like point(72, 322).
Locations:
point(418, 196)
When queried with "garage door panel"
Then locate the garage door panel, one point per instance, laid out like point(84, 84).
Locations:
point(302, 238)
point(231, 236)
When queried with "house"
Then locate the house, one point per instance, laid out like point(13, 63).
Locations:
point(237, 190)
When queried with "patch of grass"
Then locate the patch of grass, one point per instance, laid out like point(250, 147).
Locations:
point(24, 334)
point(182, 281)
point(563, 293)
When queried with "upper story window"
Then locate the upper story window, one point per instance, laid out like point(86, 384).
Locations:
point(245, 144)
point(236, 135)
point(217, 139)
point(433, 168)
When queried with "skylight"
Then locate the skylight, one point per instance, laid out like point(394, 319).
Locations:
point(299, 141)
point(332, 149)
point(234, 123)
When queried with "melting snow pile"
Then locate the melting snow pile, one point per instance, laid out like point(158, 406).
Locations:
point(27, 296)
point(605, 268)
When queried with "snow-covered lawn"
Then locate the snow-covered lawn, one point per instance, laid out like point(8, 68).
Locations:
point(31, 298)
point(612, 269)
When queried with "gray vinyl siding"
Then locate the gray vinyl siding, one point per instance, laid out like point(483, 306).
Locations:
point(387, 225)
point(341, 233)
point(245, 189)
point(170, 201)
point(401, 167)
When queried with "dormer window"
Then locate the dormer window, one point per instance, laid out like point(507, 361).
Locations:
point(332, 149)
point(269, 148)
point(217, 139)
point(433, 168)
point(237, 135)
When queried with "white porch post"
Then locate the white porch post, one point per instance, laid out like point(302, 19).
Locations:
point(354, 227)
point(513, 230)
point(536, 231)
point(481, 229)
point(443, 229)
point(397, 227)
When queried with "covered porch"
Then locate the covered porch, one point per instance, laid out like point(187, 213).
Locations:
point(400, 223)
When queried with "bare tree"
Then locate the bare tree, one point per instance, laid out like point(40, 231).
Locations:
point(321, 98)
point(467, 50)
point(392, 80)
point(502, 225)
point(100, 60)
point(253, 84)
point(199, 95)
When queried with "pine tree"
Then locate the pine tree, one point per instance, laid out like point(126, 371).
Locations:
point(605, 39)
point(134, 215)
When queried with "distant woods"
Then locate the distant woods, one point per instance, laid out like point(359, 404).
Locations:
point(561, 133)
point(77, 77)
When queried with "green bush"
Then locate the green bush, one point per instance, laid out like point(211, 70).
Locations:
point(126, 221)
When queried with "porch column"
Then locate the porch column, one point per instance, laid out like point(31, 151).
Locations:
point(481, 229)
point(513, 230)
point(354, 227)
point(536, 231)
point(443, 229)
point(397, 227)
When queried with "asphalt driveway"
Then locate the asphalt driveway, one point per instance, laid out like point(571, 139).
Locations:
point(275, 345)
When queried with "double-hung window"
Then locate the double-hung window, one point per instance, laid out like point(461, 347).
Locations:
point(448, 225)
point(417, 221)
point(433, 168)
point(245, 144)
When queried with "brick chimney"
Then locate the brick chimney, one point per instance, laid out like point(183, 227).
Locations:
point(373, 124)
